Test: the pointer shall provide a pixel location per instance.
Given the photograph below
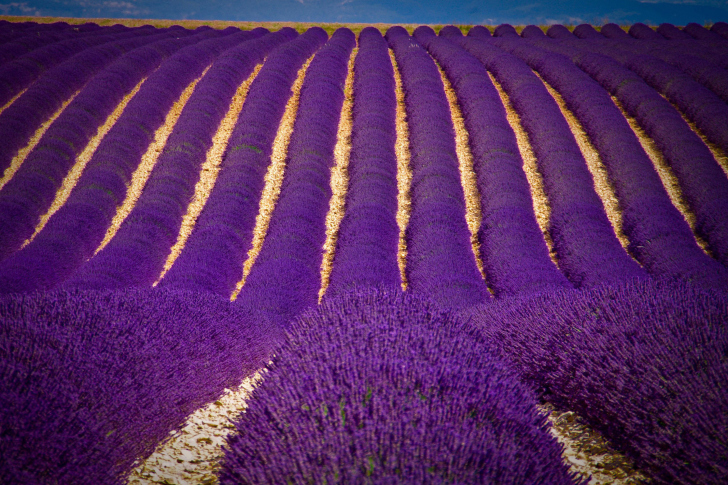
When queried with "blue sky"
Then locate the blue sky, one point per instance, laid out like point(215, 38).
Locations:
point(653, 12)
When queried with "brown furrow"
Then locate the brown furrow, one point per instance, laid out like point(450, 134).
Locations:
point(540, 202)
point(339, 178)
point(473, 215)
point(209, 171)
point(404, 172)
point(149, 159)
point(602, 185)
point(12, 100)
point(667, 176)
point(19, 157)
point(273, 177)
point(73, 175)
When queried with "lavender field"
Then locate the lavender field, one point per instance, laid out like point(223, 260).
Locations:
point(408, 247)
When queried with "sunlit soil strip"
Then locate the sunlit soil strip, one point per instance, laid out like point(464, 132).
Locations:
point(273, 177)
point(718, 153)
point(598, 171)
point(82, 159)
point(535, 181)
point(404, 172)
point(473, 214)
point(192, 454)
point(149, 159)
point(669, 180)
point(588, 453)
point(19, 158)
point(5, 106)
point(339, 178)
point(209, 171)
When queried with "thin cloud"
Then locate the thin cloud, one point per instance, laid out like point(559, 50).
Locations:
point(16, 8)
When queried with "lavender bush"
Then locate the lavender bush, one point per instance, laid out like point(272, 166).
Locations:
point(31, 191)
point(644, 363)
point(514, 254)
point(213, 257)
point(92, 381)
point(589, 253)
point(75, 231)
point(659, 236)
point(368, 238)
point(287, 274)
point(440, 259)
point(45, 96)
point(377, 386)
point(137, 253)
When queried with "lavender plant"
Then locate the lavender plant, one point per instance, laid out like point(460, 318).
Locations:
point(589, 253)
point(659, 236)
point(440, 259)
point(514, 254)
point(380, 386)
point(45, 96)
point(137, 253)
point(644, 363)
point(213, 257)
point(74, 232)
point(33, 188)
point(287, 274)
point(92, 381)
point(368, 238)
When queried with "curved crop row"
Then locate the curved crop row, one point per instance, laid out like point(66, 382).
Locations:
point(588, 251)
point(286, 276)
point(45, 96)
point(644, 364)
point(30, 192)
point(366, 248)
point(513, 251)
point(22, 44)
point(74, 232)
point(659, 237)
point(21, 72)
point(137, 253)
point(698, 103)
point(212, 260)
point(378, 386)
point(92, 381)
point(440, 259)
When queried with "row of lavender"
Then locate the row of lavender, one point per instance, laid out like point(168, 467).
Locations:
point(285, 280)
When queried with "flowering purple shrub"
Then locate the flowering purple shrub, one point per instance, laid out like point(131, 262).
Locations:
point(440, 259)
point(699, 32)
point(92, 381)
point(368, 238)
point(137, 253)
point(477, 31)
point(671, 32)
point(47, 94)
point(514, 254)
point(532, 31)
point(286, 276)
point(586, 31)
point(74, 232)
point(378, 386)
point(33, 188)
point(614, 31)
point(659, 236)
point(643, 32)
point(589, 253)
point(503, 30)
point(720, 28)
point(644, 363)
point(213, 257)
point(558, 31)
